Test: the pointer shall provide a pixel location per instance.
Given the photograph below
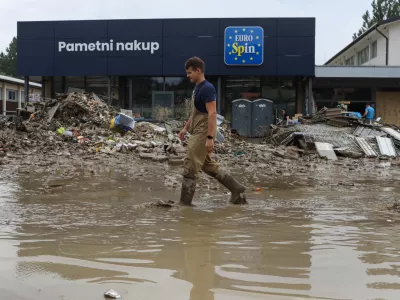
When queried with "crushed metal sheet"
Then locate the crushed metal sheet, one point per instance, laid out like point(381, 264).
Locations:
point(52, 112)
point(358, 131)
point(366, 147)
point(367, 131)
point(325, 150)
point(386, 146)
point(393, 133)
point(288, 140)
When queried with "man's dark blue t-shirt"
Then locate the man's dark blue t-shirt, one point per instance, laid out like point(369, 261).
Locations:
point(203, 93)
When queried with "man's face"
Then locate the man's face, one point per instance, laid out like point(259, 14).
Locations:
point(193, 74)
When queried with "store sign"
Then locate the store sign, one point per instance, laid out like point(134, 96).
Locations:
point(244, 46)
point(108, 46)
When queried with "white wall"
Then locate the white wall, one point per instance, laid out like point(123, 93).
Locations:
point(380, 60)
point(394, 44)
point(392, 31)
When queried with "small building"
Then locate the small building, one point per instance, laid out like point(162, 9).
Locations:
point(365, 71)
point(139, 63)
point(12, 94)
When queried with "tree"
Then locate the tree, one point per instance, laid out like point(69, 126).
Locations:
point(381, 10)
point(8, 59)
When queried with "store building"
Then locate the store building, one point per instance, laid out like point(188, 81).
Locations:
point(365, 71)
point(140, 63)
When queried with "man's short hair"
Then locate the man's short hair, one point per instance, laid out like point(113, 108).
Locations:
point(368, 104)
point(195, 63)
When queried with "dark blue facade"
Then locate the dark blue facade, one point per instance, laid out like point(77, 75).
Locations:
point(289, 47)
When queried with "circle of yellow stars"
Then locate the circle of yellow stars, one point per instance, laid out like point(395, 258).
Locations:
point(257, 38)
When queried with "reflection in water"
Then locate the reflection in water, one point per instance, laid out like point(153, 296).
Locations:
point(86, 240)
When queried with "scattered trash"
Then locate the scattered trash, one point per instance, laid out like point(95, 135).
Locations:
point(112, 294)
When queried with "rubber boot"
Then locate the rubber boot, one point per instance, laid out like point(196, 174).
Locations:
point(187, 192)
point(237, 190)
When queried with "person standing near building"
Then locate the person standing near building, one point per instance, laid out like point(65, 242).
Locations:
point(368, 114)
point(285, 117)
point(202, 126)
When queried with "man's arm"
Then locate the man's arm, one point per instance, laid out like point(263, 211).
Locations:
point(212, 117)
point(187, 125)
point(212, 124)
point(365, 113)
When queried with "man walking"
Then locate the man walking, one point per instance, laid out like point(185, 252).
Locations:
point(369, 114)
point(202, 126)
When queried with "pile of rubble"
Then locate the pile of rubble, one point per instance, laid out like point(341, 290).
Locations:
point(82, 123)
point(328, 141)
point(332, 116)
point(78, 123)
point(80, 110)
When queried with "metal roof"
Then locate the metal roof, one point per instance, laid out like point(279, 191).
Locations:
point(386, 146)
point(18, 81)
point(372, 28)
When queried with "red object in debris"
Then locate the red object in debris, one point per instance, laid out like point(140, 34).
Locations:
point(258, 189)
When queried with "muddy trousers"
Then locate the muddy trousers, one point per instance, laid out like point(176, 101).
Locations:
point(197, 159)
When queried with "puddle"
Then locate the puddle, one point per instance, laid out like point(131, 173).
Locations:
point(290, 242)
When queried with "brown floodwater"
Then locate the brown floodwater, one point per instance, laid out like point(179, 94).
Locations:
point(78, 235)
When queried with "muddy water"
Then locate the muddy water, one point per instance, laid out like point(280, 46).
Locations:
point(76, 237)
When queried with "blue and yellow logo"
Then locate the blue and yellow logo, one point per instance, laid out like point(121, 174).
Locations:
point(244, 46)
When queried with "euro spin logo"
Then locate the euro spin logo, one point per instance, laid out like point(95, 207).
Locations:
point(244, 46)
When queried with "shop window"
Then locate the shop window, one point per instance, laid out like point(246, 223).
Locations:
point(74, 83)
point(58, 84)
point(12, 95)
point(374, 50)
point(182, 88)
point(238, 87)
point(350, 61)
point(142, 93)
point(282, 91)
point(97, 85)
point(363, 56)
point(114, 93)
point(278, 89)
point(1, 94)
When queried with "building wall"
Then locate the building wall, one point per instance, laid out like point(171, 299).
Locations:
point(392, 31)
point(394, 45)
point(380, 60)
point(387, 107)
point(12, 105)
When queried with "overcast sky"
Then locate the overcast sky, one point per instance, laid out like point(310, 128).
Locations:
point(336, 20)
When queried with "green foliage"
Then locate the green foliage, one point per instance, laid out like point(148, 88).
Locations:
point(8, 59)
point(381, 10)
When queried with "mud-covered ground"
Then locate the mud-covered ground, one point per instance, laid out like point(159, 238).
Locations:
point(74, 226)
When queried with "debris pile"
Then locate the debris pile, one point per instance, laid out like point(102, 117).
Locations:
point(332, 116)
point(354, 142)
point(82, 123)
point(81, 110)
